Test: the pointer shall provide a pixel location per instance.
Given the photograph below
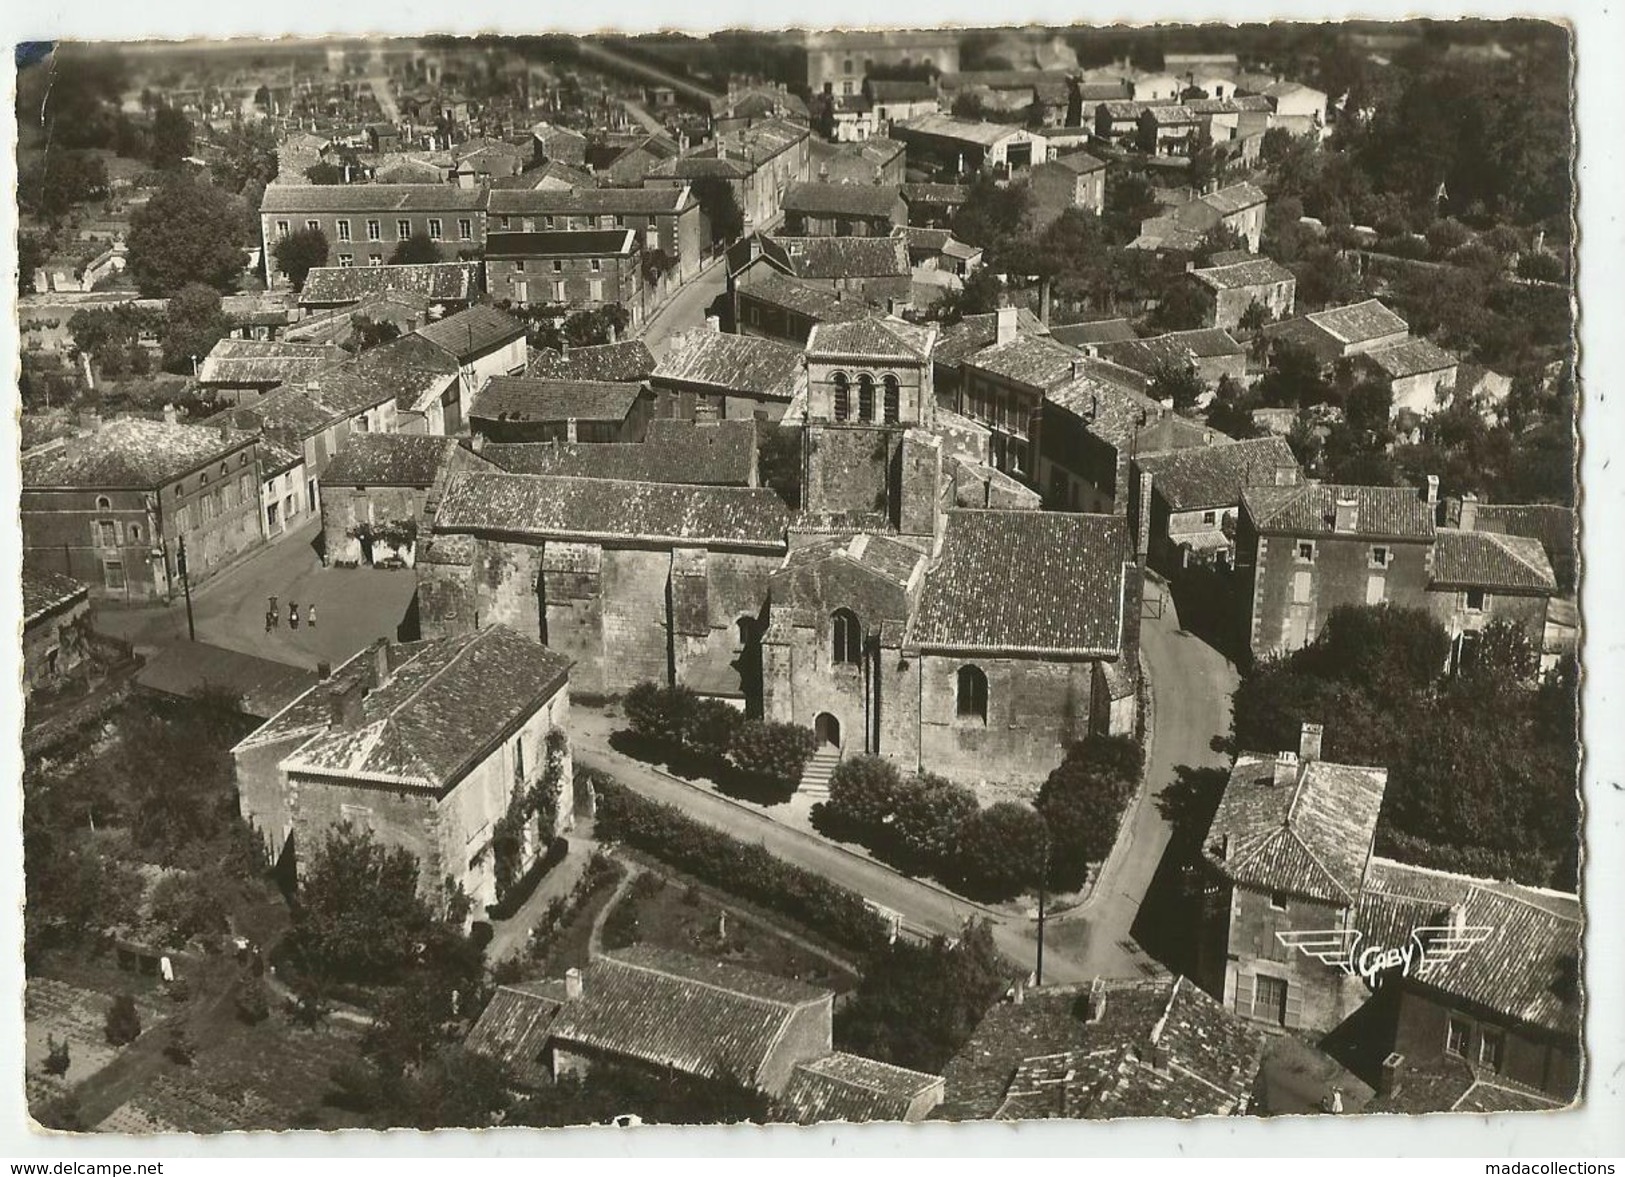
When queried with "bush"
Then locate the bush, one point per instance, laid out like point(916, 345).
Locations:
point(123, 1025)
point(1000, 850)
point(712, 727)
point(931, 813)
point(864, 793)
point(180, 1049)
point(660, 714)
point(1541, 267)
point(1082, 804)
point(188, 905)
point(774, 752)
point(58, 1057)
point(252, 1004)
point(745, 870)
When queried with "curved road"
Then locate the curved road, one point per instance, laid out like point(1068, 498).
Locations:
point(1191, 685)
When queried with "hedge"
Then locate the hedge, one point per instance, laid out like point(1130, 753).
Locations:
point(744, 869)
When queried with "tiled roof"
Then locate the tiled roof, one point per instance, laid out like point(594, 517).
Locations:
point(263, 686)
point(1207, 477)
point(265, 361)
point(560, 243)
point(719, 453)
point(1412, 358)
point(845, 257)
point(1550, 523)
point(388, 459)
point(1177, 347)
point(628, 362)
point(1172, 114)
point(820, 305)
point(739, 363)
point(293, 199)
point(1258, 272)
point(1455, 1085)
point(1359, 321)
point(1027, 582)
point(445, 705)
point(936, 193)
point(849, 1088)
point(522, 398)
point(129, 453)
point(1115, 410)
point(1158, 1048)
point(410, 169)
point(881, 337)
point(959, 341)
point(875, 576)
point(1100, 331)
point(944, 126)
point(1528, 968)
point(1384, 512)
point(406, 370)
point(437, 281)
point(1310, 835)
point(289, 412)
point(1033, 360)
point(468, 333)
point(514, 1027)
point(1080, 162)
point(738, 153)
point(701, 1017)
point(588, 201)
point(276, 457)
point(1234, 199)
point(1486, 560)
point(592, 508)
point(852, 200)
point(45, 592)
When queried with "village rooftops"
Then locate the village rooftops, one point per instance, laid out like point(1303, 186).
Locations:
point(1455, 1085)
point(885, 90)
point(1176, 347)
point(1110, 403)
point(822, 306)
point(562, 243)
point(1486, 560)
point(959, 342)
point(596, 509)
point(1104, 1050)
point(1209, 477)
point(1080, 162)
point(1099, 331)
point(942, 194)
point(944, 126)
point(842, 257)
point(1414, 357)
point(1297, 827)
point(852, 1089)
point(130, 453)
point(388, 459)
point(522, 398)
point(1034, 360)
point(266, 362)
point(361, 198)
point(45, 593)
point(436, 281)
point(696, 453)
point(473, 332)
point(849, 200)
point(1359, 322)
point(1027, 583)
point(877, 338)
point(1527, 968)
point(1242, 275)
point(408, 370)
point(1381, 512)
point(439, 710)
point(628, 362)
point(1549, 523)
point(1173, 115)
point(1234, 199)
point(589, 201)
point(287, 412)
point(762, 368)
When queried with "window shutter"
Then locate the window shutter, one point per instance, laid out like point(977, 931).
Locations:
point(1294, 1006)
point(1244, 994)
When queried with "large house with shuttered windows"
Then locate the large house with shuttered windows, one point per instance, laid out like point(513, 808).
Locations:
point(365, 223)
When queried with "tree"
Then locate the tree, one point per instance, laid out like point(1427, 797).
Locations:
point(1255, 318)
point(929, 814)
point(991, 214)
point(1082, 803)
point(1231, 410)
point(53, 183)
point(358, 915)
point(1001, 850)
point(1389, 650)
point(300, 252)
point(659, 713)
point(720, 208)
point(187, 905)
point(1183, 308)
point(324, 173)
point(415, 251)
point(246, 157)
point(171, 138)
point(981, 294)
point(712, 728)
point(366, 332)
point(193, 324)
point(1172, 380)
point(864, 792)
point(1221, 238)
point(189, 231)
point(123, 1025)
point(774, 752)
point(1294, 378)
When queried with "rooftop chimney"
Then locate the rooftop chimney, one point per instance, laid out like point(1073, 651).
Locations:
point(572, 984)
point(1077, 368)
point(1469, 512)
point(1388, 1077)
point(1309, 741)
point(1096, 1007)
point(1286, 770)
point(1432, 492)
point(1006, 328)
point(344, 704)
point(1348, 515)
point(380, 662)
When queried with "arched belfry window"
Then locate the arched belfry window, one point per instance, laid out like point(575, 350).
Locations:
point(972, 693)
point(893, 399)
point(846, 638)
point(866, 397)
point(843, 396)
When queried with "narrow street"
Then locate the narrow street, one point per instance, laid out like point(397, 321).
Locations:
point(686, 310)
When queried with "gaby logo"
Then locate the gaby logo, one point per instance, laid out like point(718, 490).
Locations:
point(1428, 948)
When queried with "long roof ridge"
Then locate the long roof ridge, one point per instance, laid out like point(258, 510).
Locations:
point(649, 967)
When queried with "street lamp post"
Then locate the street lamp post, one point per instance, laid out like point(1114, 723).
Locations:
point(1043, 885)
point(186, 587)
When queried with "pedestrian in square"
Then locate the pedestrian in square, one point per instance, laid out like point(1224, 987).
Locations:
point(274, 611)
point(310, 615)
point(293, 615)
point(270, 620)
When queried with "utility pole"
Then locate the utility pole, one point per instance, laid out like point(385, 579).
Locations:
point(1043, 883)
point(186, 587)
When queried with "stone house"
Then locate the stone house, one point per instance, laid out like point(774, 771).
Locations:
point(375, 494)
point(485, 343)
point(1212, 353)
point(932, 206)
point(759, 163)
point(1301, 551)
point(56, 623)
point(114, 506)
point(666, 220)
point(521, 408)
point(284, 488)
point(963, 146)
point(813, 209)
point(707, 375)
point(423, 745)
point(449, 285)
point(365, 223)
point(1118, 119)
point(1074, 180)
point(1168, 130)
point(776, 306)
point(1196, 497)
point(874, 269)
point(958, 342)
point(1236, 287)
point(839, 61)
point(1420, 374)
point(569, 269)
point(1286, 857)
point(1341, 332)
point(1484, 576)
point(408, 385)
point(899, 101)
point(629, 361)
point(238, 370)
point(693, 453)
